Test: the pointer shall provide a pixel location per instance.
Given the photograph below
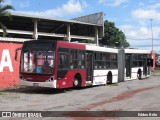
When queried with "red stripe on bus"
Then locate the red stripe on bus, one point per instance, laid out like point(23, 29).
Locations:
point(103, 75)
point(133, 72)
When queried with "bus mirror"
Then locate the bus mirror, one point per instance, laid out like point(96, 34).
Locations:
point(16, 53)
point(150, 62)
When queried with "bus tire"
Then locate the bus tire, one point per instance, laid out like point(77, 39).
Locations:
point(109, 77)
point(77, 80)
point(139, 74)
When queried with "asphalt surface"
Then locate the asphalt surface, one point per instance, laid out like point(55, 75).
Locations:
point(135, 95)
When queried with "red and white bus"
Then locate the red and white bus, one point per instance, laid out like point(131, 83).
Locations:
point(59, 64)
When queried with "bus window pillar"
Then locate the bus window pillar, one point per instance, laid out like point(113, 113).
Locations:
point(68, 33)
point(96, 36)
point(35, 32)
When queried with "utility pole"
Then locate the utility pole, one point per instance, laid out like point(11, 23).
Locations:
point(152, 33)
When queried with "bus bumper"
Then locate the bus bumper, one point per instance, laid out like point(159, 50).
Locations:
point(49, 84)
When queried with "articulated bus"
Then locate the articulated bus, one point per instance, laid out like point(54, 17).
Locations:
point(59, 64)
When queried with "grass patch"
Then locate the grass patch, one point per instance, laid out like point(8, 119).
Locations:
point(2, 93)
point(156, 71)
point(113, 84)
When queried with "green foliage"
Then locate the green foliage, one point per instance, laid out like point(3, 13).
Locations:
point(5, 13)
point(156, 54)
point(1, 93)
point(113, 36)
point(86, 41)
point(82, 41)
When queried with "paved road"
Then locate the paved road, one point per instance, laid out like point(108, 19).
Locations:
point(136, 95)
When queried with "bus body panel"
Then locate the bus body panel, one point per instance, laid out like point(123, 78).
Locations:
point(67, 81)
point(48, 84)
point(100, 76)
point(36, 77)
point(132, 72)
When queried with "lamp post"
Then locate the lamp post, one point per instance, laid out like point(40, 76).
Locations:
point(152, 33)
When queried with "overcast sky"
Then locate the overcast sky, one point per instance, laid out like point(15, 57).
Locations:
point(131, 16)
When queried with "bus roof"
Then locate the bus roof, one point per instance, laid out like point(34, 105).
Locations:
point(101, 49)
point(64, 44)
point(137, 51)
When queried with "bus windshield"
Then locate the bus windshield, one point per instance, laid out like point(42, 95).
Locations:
point(35, 61)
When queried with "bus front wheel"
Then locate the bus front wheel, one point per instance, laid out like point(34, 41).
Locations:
point(76, 82)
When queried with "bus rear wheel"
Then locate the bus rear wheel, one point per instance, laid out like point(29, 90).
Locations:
point(139, 74)
point(109, 78)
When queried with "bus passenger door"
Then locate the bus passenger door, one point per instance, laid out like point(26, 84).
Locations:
point(149, 65)
point(128, 65)
point(145, 65)
point(89, 66)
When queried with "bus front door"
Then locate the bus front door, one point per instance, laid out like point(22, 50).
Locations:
point(89, 67)
point(128, 65)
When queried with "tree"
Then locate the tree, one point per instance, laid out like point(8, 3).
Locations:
point(113, 36)
point(5, 13)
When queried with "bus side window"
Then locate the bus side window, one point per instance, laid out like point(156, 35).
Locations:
point(63, 61)
point(81, 60)
point(60, 65)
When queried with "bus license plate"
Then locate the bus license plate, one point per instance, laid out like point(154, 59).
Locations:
point(35, 84)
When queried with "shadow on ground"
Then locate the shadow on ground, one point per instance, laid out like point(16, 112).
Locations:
point(41, 90)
